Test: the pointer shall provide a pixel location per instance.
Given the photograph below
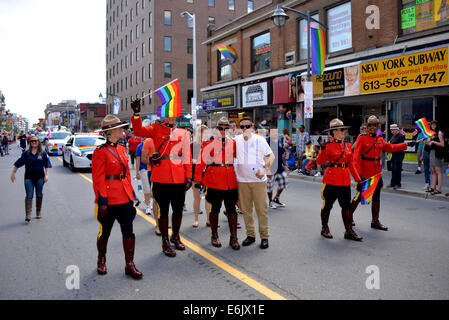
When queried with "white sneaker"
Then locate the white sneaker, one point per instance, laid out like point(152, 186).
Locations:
point(272, 205)
point(318, 174)
point(427, 187)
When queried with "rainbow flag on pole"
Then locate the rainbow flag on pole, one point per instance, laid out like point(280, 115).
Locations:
point(228, 52)
point(423, 125)
point(318, 50)
point(368, 187)
point(447, 172)
point(171, 101)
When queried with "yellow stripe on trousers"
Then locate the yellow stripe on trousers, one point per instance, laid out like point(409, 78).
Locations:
point(322, 196)
point(259, 287)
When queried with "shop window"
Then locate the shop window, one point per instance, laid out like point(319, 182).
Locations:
point(340, 27)
point(260, 52)
point(224, 68)
point(404, 113)
point(303, 36)
point(420, 15)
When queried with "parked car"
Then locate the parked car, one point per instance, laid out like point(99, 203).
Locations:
point(56, 142)
point(77, 152)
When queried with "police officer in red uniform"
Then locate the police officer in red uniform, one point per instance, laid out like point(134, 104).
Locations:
point(171, 176)
point(367, 159)
point(337, 179)
point(114, 194)
point(215, 171)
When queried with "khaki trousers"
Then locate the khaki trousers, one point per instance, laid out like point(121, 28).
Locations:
point(254, 193)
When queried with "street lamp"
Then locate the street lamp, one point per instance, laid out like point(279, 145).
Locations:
point(279, 18)
point(195, 97)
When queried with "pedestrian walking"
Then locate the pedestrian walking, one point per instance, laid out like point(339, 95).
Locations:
point(22, 140)
point(114, 194)
point(5, 144)
point(436, 157)
point(202, 135)
point(37, 169)
point(396, 157)
point(337, 178)
point(367, 158)
point(419, 153)
point(142, 175)
point(214, 171)
point(303, 138)
point(254, 159)
point(279, 178)
point(171, 176)
point(133, 142)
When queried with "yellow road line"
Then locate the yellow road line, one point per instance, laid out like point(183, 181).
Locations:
point(251, 282)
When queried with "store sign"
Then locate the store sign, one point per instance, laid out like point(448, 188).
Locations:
point(408, 18)
point(255, 95)
point(308, 100)
point(218, 99)
point(340, 27)
point(411, 71)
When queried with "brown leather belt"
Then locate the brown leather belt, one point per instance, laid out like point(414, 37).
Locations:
point(221, 165)
point(369, 159)
point(121, 176)
point(339, 165)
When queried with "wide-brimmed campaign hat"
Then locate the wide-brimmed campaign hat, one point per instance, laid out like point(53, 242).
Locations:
point(112, 122)
point(336, 124)
point(373, 120)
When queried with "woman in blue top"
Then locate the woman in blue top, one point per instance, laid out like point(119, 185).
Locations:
point(35, 161)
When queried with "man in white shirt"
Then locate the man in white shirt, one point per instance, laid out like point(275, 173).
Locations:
point(254, 158)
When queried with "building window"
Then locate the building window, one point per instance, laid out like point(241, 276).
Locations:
point(126, 62)
point(250, 6)
point(167, 69)
point(189, 22)
point(131, 80)
point(211, 3)
point(131, 14)
point(150, 45)
point(167, 18)
point(190, 71)
point(143, 49)
point(189, 96)
point(189, 1)
point(131, 36)
point(260, 52)
point(150, 19)
point(137, 31)
point(190, 46)
point(137, 77)
point(340, 28)
point(303, 36)
point(143, 25)
point(224, 68)
point(423, 15)
point(143, 4)
point(150, 71)
point(167, 43)
point(143, 74)
point(137, 54)
point(211, 20)
point(131, 60)
point(231, 4)
point(137, 7)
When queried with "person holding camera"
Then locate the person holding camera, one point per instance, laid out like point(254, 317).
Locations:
point(171, 173)
point(214, 170)
point(337, 178)
point(114, 194)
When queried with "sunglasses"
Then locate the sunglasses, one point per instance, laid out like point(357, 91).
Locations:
point(372, 125)
point(34, 140)
point(223, 128)
point(246, 127)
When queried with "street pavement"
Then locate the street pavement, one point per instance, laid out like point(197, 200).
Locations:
point(410, 260)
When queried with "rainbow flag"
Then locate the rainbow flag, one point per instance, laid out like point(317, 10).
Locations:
point(318, 50)
point(171, 101)
point(228, 52)
point(85, 149)
point(423, 125)
point(263, 122)
point(288, 115)
point(447, 172)
point(368, 187)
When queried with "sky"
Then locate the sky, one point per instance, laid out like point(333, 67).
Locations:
point(51, 50)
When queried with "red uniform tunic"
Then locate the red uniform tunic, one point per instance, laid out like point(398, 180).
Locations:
point(217, 177)
point(105, 163)
point(367, 154)
point(339, 153)
point(175, 170)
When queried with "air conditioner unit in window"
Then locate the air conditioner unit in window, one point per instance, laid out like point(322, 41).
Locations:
point(290, 58)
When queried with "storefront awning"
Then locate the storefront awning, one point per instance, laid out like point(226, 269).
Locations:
point(280, 90)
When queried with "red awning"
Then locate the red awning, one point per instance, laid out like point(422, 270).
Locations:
point(280, 90)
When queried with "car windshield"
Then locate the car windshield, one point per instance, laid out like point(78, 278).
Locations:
point(88, 141)
point(59, 135)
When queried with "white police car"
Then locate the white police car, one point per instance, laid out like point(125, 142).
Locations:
point(77, 152)
point(56, 141)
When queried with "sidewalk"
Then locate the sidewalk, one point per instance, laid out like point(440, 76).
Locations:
point(412, 184)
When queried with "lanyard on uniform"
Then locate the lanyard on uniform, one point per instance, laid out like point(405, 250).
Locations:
point(118, 158)
point(209, 161)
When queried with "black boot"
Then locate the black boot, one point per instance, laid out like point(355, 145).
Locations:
point(176, 226)
point(214, 227)
point(349, 233)
point(233, 241)
point(324, 222)
point(375, 224)
point(166, 248)
point(101, 263)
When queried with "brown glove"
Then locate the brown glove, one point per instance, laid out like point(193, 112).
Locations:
point(135, 105)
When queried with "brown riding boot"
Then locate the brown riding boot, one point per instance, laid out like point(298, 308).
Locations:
point(214, 227)
point(354, 205)
point(233, 241)
point(375, 224)
point(324, 221)
point(101, 263)
point(349, 233)
point(130, 269)
point(28, 209)
point(38, 207)
point(176, 225)
point(166, 248)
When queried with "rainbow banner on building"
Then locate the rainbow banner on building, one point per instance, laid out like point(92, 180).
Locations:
point(423, 125)
point(171, 101)
point(228, 52)
point(368, 187)
point(318, 50)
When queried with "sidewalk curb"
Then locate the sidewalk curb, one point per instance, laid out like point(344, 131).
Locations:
point(416, 194)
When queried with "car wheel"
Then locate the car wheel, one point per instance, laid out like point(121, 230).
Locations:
point(72, 165)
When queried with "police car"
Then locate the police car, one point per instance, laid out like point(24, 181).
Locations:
point(77, 152)
point(56, 141)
